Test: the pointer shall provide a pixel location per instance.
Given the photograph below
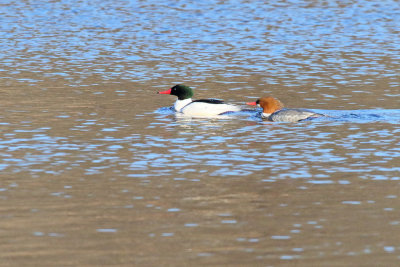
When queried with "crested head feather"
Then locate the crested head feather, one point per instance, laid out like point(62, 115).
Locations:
point(269, 104)
point(182, 91)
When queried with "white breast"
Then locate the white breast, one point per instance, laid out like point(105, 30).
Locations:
point(179, 104)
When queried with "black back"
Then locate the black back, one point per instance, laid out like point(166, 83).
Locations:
point(209, 101)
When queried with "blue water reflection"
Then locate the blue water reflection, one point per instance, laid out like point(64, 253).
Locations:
point(144, 40)
point(239, 151)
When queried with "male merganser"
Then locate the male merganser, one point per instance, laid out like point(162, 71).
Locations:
point(273, 111)
point(198, 108)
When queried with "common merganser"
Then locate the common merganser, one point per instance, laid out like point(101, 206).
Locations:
point(198, 108)
point(273, 111)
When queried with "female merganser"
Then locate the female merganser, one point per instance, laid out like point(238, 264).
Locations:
point(273, 111)
point(197, 108)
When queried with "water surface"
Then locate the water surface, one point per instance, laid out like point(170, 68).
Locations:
point(96, 170)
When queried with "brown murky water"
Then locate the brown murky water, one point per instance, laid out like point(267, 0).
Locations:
point(96, 170)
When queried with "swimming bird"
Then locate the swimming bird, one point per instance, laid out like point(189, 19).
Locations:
point(273, 110)
point(198, 108)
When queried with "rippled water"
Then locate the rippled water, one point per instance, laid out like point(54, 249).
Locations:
point(97, 170)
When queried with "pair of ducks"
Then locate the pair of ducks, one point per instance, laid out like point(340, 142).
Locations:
point(273, 109)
